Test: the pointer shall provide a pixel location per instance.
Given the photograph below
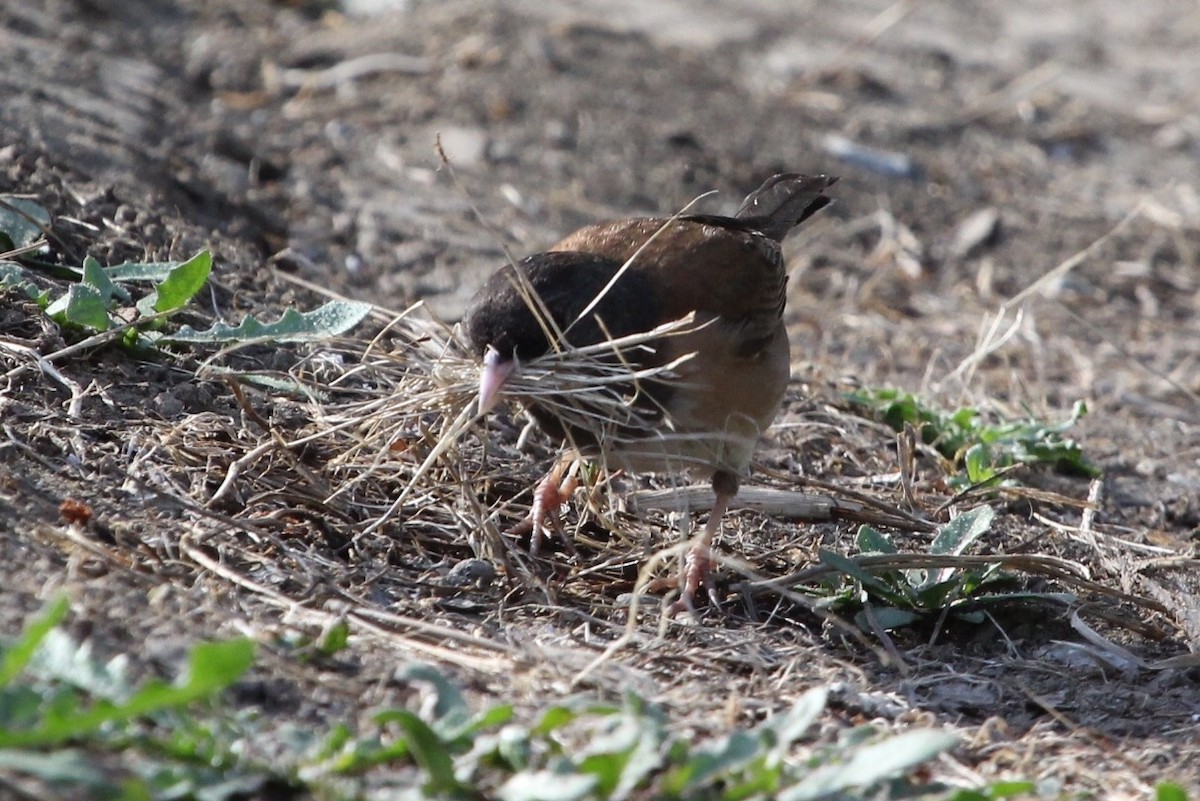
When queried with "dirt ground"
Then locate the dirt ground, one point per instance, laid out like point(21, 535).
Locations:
point(298, 145)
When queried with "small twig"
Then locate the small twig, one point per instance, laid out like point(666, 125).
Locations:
point(75, 407)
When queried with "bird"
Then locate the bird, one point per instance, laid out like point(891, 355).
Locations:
point(695, 397)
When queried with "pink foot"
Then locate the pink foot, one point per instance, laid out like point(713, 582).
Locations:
point(548, 497)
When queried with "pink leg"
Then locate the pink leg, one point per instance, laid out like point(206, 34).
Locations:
point(699, 564)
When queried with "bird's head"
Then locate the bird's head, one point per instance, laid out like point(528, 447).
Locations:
point(497, 367)
point(502, 333)
point(505, 332)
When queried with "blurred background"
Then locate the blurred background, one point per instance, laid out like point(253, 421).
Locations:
point(981, 145)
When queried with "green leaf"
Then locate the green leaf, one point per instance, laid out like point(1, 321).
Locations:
point(16, 656)
point(155, 271)
point(495, 716)
point(871, 764)
point(14, 276)
point(1166, 791)
point(553, 718)
point(211, 667)
point(22, 222)
point(935, 594)
point(183, 282)
point(60, 658)
point(869, 581)
point(713, 760)
point(978, 463)
point(274, 383)
point(956, 536)
point(335, 638)
point(64, 767)
point(1010, 789)
point(513, 747)
point(625, 750)
point(871, 540)
point(547, 786)
point(983, 448)
point(450, 709)
point(94, 276)
point(82, 305)
point(429, 752)
point(887, 618)
point(790, 726)
point(332, 319)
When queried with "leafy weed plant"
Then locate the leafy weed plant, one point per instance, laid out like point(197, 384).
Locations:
point(979, 451)
point(66, 719)
point(100, 299)
point(892, 597)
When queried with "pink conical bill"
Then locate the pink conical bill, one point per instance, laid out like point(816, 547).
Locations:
point(496, 370)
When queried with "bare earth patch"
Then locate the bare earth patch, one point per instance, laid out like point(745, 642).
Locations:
point(1022, 135)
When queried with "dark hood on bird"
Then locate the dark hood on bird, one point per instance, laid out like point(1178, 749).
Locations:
point(566, 283)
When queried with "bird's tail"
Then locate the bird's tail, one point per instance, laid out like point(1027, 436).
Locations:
point(783, 202)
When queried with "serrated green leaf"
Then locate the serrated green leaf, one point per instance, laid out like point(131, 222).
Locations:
point(960, 533)
point(332, 319)
point(183, 282)
point(22, 222)
point(156, 271)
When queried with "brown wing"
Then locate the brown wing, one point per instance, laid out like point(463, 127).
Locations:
point(701, 264)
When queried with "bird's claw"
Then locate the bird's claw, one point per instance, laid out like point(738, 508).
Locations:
point(698, 569)
point(549, 495)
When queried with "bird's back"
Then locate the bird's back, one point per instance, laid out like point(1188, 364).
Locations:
point(709, 265)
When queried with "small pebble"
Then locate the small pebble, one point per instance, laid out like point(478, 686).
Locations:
point(468, 572)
